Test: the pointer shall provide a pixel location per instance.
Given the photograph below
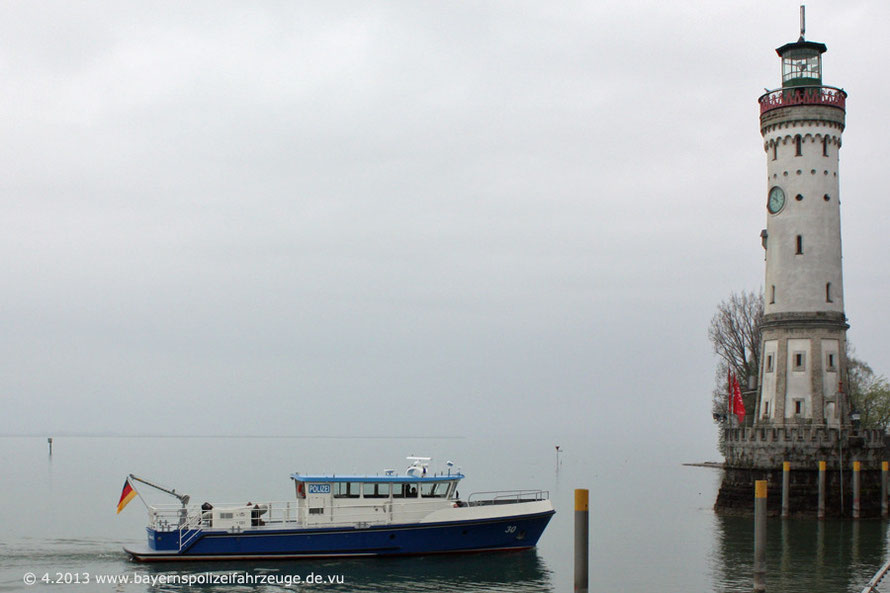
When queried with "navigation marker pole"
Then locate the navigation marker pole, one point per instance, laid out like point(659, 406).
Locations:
point(760, 535)
point(581, 539)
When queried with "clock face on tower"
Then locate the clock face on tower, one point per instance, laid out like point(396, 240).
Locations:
point(776, 200)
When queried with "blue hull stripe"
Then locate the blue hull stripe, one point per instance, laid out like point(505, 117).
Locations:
point(501, 533)
point(141, 557)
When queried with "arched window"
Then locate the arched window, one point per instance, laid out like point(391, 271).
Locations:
point(825, 146)
point(799, 244)
point(828, 292)
point(798, 145)
point(775, 150)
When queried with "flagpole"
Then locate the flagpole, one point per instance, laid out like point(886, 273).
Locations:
point(730, 393)
point(137, 493)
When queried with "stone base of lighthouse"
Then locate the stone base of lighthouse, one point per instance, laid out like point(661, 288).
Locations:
point(804, 362)
point(758, 454)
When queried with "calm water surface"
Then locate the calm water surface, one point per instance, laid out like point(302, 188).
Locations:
point(652, 528)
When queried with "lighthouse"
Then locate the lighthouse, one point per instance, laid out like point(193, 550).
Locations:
point(803, 336)
point(802, 429)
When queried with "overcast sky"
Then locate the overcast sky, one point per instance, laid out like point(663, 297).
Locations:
point(402, 218)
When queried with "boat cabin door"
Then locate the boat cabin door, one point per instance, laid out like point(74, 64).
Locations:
point(318, 504)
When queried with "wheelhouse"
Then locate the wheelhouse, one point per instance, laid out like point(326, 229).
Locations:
point(378, 487)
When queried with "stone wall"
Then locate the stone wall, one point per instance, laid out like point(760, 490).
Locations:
point(736, 495)
point(803, 446)
point(758, 453)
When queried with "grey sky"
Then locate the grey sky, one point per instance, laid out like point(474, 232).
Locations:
point(401, 218)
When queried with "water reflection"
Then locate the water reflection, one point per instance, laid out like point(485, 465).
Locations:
point(509, 572)
point(803, 555)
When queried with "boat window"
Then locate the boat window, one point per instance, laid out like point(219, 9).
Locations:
point(347, 489)
point(434, 489)
point(404, 490)
point(375, 490)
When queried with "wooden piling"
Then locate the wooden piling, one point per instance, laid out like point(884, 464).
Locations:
point(786, 487)
point(857, 467)
point(884, 468)
point(760, 535)
point(581, 539)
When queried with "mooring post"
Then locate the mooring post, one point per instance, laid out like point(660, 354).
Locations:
point(786, 487)
point(581, 539)
point(50, 443)
point(821, 510)
point(884, 465)
point(760, 535)
point(857, 466)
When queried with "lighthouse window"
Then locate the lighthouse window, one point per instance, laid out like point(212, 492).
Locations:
point(830, 363)
point(766, 409)
point(828, 292)
point(798, 407)
point(799, 197)
point(799, 244)
point(772, 296)
point(800, 360)
point(775, 150)
point(826, 197)
point(825, 146)
point(769, 363)
point(798, 142)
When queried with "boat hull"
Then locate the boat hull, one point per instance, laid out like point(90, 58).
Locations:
point(509, 532)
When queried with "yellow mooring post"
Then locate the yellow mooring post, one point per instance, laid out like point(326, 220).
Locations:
point(857, 467)
point(760, 535)
point(786, 487)
point(581, 539)
point(820, 512)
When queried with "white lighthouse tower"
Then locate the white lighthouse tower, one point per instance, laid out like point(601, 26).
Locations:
point(803, 336)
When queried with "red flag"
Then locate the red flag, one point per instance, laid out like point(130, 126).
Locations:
point(127, 494)
point(738, 406)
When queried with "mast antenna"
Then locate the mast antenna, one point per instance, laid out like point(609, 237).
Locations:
point(803, 21)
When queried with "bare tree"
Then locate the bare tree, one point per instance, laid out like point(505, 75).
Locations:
point(735, 334)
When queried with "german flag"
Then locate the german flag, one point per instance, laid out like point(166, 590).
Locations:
point(127, 494)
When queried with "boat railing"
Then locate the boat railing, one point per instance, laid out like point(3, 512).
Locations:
point(191, 520)
point(175, 517)
point(506, 497)
point(189, 530)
